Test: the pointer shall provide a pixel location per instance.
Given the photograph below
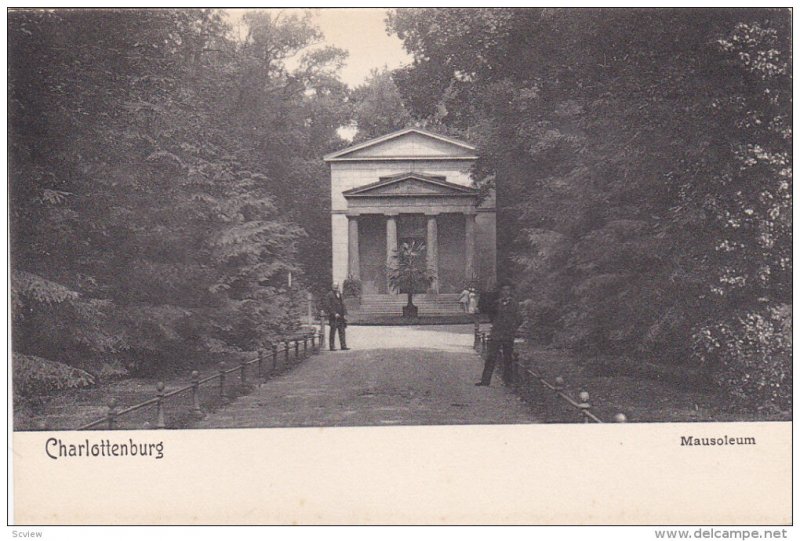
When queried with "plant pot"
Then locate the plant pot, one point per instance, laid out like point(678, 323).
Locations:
point(410, 310)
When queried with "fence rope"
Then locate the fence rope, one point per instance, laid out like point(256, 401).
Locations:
point(112, 417)
point(583, 405)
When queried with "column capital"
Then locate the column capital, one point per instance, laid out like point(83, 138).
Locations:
point(391, 214)
point(432, 213)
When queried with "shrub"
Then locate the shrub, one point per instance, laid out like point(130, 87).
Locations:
point(750, 356)
point(111, 370)
point(351, 287)
point(36, 376)
point(541, 320)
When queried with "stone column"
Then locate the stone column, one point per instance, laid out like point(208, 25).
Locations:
point(391, 246)
point(469, 248)
point(432, 251)
point(353, 263)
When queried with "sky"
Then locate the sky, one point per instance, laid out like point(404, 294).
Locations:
point(361, 32)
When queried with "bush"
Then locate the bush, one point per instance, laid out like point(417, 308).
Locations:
point(750, 357)
point(541, 320)
point(37, 376)
point(351, 287)
point(111, 370)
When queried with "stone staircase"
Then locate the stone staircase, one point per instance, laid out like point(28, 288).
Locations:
point(388, 309)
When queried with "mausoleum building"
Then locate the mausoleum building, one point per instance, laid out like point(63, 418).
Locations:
point(411, 185)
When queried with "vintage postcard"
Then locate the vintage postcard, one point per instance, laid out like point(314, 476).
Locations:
point(401, 266)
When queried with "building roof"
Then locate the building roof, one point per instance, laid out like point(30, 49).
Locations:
point(431, 146)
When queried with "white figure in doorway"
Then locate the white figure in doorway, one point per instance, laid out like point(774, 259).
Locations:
point(472, 305)
point(463, 299)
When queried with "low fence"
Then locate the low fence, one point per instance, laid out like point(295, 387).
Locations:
point(524, 375)
point(212, 389)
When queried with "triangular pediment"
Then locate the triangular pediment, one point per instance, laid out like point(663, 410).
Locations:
point(411, 185)
point(408, 144)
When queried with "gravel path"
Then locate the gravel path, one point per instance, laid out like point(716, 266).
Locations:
point(391, 376)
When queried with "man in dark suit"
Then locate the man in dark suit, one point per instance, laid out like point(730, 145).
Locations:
point(506, 319)
point(336, 310)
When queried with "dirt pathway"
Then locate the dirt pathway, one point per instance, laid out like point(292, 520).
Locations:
point(391, 376)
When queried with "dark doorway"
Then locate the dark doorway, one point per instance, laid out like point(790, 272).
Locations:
point(372, 253)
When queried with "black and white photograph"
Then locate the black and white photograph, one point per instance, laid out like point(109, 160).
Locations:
point(264, 218)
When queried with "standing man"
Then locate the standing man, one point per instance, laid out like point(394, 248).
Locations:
point(506, 319)
point(334, 306)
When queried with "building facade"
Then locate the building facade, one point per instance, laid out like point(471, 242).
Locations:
point(411, 185)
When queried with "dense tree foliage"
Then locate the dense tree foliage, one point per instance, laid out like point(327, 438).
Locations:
point(378, 107)
point(643, 168)
point(164, 179)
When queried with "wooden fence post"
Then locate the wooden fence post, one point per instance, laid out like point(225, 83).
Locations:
point(160, 423)
point(112, 414)
point(286, 348)
point(584, 405)
point(296, 349)
point(305, 345)
point(196, 411)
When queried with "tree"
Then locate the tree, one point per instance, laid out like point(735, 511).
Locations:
point(640, 158)
point(287, 119)
point(150, 224)
point(377, 107)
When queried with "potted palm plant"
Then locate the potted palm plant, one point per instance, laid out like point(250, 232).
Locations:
point(408, 272)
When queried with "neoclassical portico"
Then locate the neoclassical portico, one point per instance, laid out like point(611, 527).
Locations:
point(410, 206)
point(408, 186)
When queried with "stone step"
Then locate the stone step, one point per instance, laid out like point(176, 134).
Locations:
point(447, 304)
point(392, 306)
point(438, 312)
point(432, 298)
point(400, 311)
point(423, 319)
point(379, 306)
point(416, 302)
point(454, 306)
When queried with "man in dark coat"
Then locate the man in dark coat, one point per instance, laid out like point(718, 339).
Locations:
point(506, 319)
point(336, 310)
